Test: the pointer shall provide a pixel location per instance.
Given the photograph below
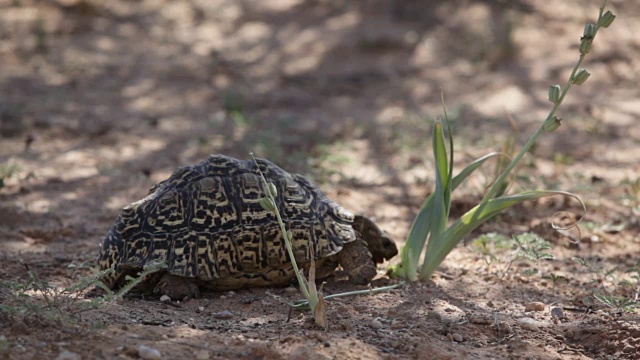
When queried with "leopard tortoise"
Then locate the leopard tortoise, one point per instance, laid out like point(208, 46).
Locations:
point(206, 224)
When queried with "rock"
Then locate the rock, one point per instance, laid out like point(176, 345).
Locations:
point(164, 298)
point(558, 313)
point(376, 324)
point(201, 308)
point(397, 325)
point(128, 350)
point(20, 328)
point(306, 353)
point(528, 323)
point(68, 355)
point(226, 314)
point(202, 355)
point(480, 319)
point(432, 315)
point(361, 308)
point(148, 353)
point(457, 338)
point(534, 306)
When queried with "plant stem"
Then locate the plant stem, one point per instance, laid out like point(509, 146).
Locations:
point(497, 184)
point(534, 137)
point(287, 241)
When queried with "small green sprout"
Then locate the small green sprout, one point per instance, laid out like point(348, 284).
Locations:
point(619, 303)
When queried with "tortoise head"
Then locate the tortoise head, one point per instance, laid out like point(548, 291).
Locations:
point(380, 244)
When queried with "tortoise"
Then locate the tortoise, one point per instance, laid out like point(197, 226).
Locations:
point(206, 225)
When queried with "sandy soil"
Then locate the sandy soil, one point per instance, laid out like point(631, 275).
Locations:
point(99, 100)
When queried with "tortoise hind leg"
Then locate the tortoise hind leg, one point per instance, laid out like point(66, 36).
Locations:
point(177, 287)
point(355, 259)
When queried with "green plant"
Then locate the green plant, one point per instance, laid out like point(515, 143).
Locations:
point(8, 170)
point(600, 274)
point(619, 303)
point(308, 288)
point(555, 279)
point(314, 299)
point(5, 345)
point(531, 247)
point(488, 246)
point(431, 222)
point(37, 299)
point(635, 284)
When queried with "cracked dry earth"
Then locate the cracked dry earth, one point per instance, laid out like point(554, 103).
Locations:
point(100, 100)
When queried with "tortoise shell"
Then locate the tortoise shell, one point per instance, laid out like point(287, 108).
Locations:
point(206, 222)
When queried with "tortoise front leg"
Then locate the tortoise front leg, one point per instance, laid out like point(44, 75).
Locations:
point(356, 261)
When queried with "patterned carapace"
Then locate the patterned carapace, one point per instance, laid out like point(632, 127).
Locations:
point(205, 221)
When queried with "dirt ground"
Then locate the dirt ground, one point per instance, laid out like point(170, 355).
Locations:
point(99, 100)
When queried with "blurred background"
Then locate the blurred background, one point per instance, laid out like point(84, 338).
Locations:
point(99, 100)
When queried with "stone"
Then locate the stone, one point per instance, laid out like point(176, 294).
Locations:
point(149, 353)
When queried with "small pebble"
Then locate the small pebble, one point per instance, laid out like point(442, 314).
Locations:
point(128, 350)
point(558, 313)
point(396, 325)
point(360, 308)
point(201, 308)
point(165, 298)
point(291, 290)
point(480, 319)
point(148, 353)
point(534, 306)
point(226, 314)
point(376, 324)
point(628, 349)
point(528, 323)
point(68, 355)
point(458, 338)
point(202, 355)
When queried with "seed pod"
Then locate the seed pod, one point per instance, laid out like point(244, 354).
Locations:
point(585, 46)
point(606, 19)
point(552, 124)
point(581, 77)
point(273, 191)
point(289, 235)
point(590, 31)
point(554, 93)
point(267, 204)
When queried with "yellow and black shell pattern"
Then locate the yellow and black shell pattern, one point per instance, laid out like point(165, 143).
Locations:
point(206, 222)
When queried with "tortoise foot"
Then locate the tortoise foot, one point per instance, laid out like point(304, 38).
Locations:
point(177, 287)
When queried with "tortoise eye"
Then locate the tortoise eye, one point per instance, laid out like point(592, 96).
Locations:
point(387, 244)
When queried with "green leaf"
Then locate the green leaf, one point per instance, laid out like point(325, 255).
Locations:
point(442, 199)
point(472, 219)
point(421, 227)
point(469, 169)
